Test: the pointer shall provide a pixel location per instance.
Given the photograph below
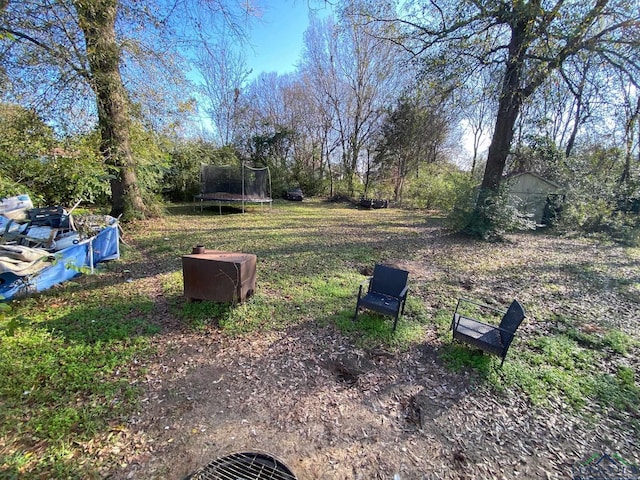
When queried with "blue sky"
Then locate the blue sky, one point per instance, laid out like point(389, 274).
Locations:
point(276, 39)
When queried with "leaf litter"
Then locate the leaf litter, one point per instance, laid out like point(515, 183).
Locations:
point(331, 409)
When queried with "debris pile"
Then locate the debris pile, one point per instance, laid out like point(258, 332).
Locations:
point(35, 240)
point(49, 228)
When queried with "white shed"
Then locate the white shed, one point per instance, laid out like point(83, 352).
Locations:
point(532, 190)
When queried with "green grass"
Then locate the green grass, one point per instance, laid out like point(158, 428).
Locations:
point(71, 359)
point(371, 330)
point(561, 367)
point(65, 375)
point(582, 360)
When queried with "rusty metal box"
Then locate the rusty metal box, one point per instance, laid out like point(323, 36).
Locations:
point(219, 276)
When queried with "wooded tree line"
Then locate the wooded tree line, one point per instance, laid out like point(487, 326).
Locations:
point(382, 100)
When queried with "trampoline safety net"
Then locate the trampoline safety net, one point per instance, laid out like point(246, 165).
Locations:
point(233, 183)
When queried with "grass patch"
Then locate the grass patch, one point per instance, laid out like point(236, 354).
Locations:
point(442, 322)
point(70, 358)
point(66, 372)
point(372, 330)
point(611, 339)
point(560, 368)
point(618, 392)
point(200, 315)
point(459, 358)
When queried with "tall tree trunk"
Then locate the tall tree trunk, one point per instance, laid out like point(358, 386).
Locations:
point(367, 173)
point(578, 95)
point(508, 110)
point(352, 159)
point(630, 124)
point(97, 20)
point(474, 161)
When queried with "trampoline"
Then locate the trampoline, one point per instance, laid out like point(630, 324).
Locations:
point(232, 185)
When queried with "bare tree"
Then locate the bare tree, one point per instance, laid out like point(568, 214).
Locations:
point(351, 69)
point(319, 123)
point(224, 75)
point(265, 119)
point(478, 105)
point(578, 83)
point(631, 122)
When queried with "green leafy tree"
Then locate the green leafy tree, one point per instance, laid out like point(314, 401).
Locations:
point(75, 44)
point(52, 172)
point(538, 154)
point(596, 201)
point(24, 139)
point(412, 135)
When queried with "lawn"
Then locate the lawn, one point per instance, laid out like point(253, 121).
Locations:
point(117, 375)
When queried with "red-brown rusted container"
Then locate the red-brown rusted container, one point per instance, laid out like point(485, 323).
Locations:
point(220, 277)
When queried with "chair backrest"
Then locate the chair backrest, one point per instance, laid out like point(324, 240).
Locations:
point(388, 280)
point(511, 321)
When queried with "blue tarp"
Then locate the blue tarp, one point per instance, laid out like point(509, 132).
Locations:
point(68, 263)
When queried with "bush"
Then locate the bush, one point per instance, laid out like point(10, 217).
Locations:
point(436, 187)
point(624, 227)
point(489, 215)
point(310, 183)
point(64, 180)
point(598, 201)
point(181, 179)
point(53, 172)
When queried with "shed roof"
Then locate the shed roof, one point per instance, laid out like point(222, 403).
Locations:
point(513, 175)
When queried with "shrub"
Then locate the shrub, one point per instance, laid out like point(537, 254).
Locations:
point(489, 215)
point(51, 171)
point(181, 177)
point(598, 201)
point(437, 187)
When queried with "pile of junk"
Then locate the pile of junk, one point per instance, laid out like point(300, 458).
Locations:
point(41, 247)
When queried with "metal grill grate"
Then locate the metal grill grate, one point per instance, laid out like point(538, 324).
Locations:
point(245, 466)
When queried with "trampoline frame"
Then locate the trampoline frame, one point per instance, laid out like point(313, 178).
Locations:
point(230, 198)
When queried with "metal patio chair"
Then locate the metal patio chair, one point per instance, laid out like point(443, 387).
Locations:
point(386, 292)
point(494, 339)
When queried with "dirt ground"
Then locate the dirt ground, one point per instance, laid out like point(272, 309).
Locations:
point(330, 410)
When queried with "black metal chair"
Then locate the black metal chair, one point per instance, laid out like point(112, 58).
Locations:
point(386, 292)
point(494, 339)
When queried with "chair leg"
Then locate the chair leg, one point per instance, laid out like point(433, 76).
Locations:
point(395, 321)
point(355, 315)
